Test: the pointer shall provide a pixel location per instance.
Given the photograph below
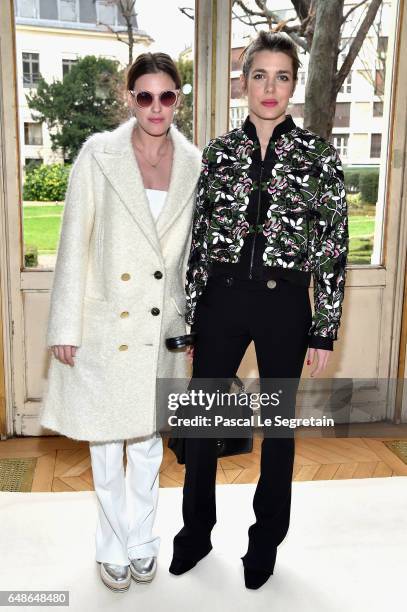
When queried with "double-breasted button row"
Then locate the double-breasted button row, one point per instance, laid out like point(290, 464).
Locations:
point(126, 276)
point(155, 311)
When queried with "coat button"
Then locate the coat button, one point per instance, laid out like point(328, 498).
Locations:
point(158, 274)
point(155, 311)
point(124, 314)
point(271, 284)
point(125, 276)
point(123, 347)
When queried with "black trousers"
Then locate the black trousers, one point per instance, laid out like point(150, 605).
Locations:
point(230, 314)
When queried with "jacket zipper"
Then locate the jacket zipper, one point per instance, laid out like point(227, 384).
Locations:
point(307, 213)
point(257, 222)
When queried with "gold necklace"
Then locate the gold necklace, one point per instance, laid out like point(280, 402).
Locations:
point(146, 158)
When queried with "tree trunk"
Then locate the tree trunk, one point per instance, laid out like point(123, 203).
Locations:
point(320, 94)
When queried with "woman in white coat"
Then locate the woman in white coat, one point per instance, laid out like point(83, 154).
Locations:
point(118, 293)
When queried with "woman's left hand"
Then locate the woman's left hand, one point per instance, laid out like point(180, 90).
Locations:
point(190, 352)
point(322, 359)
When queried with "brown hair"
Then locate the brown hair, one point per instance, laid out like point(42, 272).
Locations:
point(270, 41)
point(148, 63)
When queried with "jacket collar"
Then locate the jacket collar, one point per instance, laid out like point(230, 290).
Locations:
point(115, 155)
point(281, 128)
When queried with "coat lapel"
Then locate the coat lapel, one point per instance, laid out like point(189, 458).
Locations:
point(184, 176)
point(119, 165)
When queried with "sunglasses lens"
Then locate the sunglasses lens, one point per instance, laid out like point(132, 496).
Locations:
point(168, 98)
point(144, 99)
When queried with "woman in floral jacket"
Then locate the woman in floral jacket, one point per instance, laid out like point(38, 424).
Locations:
point(271, 212)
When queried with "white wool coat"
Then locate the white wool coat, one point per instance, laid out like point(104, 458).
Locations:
point(107, 287)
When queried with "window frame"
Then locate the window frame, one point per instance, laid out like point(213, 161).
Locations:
point(32, 83)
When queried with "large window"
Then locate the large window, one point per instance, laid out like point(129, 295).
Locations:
point(79, 111)
point(360, 122)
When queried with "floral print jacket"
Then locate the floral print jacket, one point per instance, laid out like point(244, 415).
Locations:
point(305, 225)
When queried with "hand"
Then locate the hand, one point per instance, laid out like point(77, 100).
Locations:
point(190, 352)
point(65, 353)
point(323, 356)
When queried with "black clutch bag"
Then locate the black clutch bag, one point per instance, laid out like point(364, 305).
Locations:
point(226, 447)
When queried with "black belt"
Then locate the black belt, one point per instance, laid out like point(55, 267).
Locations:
point(265, 273)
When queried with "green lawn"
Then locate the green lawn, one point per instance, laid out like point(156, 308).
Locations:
point(41, 227)
point(42, 223)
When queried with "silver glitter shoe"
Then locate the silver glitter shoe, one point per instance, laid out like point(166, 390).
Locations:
point(115, 577)
point(144, 569)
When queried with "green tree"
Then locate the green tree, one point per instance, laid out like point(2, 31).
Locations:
point(184, 115)
point(89, 99)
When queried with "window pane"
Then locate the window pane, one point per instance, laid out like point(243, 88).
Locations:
point(67, 65)
point(31, 69)
point(342, 114)
point(87, 11)
point(377, 109)
point(67, 10)
point(106, 12)
point(33, 133)
point(82, 110)
point(376, 144)
point(361, 116)
point(48, 9)
point(27, 8)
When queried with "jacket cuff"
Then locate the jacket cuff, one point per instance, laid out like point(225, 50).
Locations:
point(321, 342)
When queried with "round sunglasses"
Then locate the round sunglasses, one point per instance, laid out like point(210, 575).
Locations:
point(144, 99)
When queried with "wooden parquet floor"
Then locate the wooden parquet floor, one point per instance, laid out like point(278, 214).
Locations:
point(64, 464)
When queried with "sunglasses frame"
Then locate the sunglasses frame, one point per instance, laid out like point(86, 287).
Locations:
point(135, 93)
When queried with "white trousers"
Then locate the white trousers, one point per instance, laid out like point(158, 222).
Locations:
point(127, 500)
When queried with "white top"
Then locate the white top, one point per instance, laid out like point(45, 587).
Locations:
point(156, 198)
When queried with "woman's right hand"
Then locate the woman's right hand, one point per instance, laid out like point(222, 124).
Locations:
point(190, 352)
point(65, 353)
